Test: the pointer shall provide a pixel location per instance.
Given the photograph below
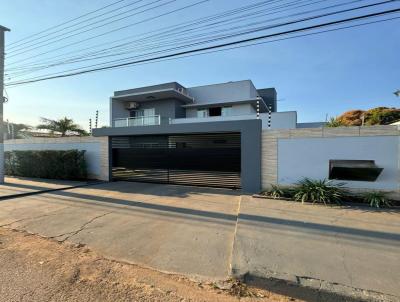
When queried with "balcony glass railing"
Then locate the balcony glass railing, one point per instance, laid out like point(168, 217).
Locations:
point(151, 120)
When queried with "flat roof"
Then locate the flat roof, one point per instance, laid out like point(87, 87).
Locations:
point(153, 95)
point(4, 28)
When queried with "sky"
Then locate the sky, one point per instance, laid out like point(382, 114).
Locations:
point(316, 76)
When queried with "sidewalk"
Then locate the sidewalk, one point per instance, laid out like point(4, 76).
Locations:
point(321, 247)
point(20, 185)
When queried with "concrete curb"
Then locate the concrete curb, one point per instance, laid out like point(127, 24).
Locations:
point(311, 289)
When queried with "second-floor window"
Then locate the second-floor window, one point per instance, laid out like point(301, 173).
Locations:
point(215, 111)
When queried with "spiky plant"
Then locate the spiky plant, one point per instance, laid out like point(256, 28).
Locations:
point(377, 199)
point(319, 191)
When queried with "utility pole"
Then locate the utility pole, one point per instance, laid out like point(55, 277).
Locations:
point(2, 55)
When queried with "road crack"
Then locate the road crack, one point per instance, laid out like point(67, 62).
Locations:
point(80, 229)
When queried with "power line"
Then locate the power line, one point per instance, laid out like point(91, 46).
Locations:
point(69, 26)
point(117, 29)
point(216, 38)
point(255, 44)
point(63, 37)
point(293, 31)
point(170, 28)
point(165, 36)
point(129, 58)
point(81, 58)
point(66, 22)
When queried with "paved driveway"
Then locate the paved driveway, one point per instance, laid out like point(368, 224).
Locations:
point(179, 229)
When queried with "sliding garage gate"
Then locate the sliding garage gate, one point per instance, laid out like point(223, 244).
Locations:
point(198, 159)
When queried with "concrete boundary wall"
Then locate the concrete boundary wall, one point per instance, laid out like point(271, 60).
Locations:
point(96, 155)
point(372, 142)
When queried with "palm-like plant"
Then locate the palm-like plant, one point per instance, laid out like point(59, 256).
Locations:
point(334, 122)
point(62, 126)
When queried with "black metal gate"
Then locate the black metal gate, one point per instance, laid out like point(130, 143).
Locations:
point(196, 159)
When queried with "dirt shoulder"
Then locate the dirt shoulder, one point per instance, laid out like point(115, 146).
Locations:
point(37, 269)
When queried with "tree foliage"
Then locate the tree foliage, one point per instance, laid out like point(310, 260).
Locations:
point(374, 116)
point(64, 126)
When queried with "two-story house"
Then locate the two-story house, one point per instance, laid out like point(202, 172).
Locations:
point(206, 135)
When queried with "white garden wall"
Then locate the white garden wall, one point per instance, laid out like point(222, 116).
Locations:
point(96, 148)
point(310, 157)
point(289, 155)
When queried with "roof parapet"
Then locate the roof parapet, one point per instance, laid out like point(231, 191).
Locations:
point(4, 28)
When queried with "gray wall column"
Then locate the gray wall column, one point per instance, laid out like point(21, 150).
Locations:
point(251, 158)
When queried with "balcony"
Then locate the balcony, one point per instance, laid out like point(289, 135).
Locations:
point(278, 120)
point(152, 120)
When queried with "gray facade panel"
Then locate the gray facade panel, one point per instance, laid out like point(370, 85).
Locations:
point(224, 92)
point(173, 85)
point(166, 108)
point(250, 131)
point(269, 96)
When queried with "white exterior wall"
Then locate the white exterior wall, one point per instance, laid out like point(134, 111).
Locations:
point(309, 157)
point(96, 148)
point(291, 154)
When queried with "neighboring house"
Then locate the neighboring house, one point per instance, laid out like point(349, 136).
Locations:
point(205, 135)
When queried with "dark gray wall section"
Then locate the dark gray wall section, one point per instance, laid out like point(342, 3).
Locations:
point(171, 85)
point(166, 108)
point(269, 96)
point(250, 131)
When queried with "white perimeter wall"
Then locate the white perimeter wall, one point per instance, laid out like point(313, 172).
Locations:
point(309, 157)
point(291, 154)
point(96, 154)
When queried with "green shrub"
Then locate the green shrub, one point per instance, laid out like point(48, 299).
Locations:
point(51, 164)
point(278, 192)
point(376, 199)
point(318, 191)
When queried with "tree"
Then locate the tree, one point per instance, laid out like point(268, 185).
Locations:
point(374, 116)
point(382, 116)
point(63, 126)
